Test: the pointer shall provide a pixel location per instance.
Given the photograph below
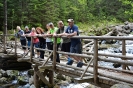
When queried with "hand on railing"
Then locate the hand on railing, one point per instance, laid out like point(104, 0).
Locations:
point(67, 35)
point(54, 35)
point(39, 35)
point(45, 35)
point(48, 35)
point(23, 35)
point(57, 35)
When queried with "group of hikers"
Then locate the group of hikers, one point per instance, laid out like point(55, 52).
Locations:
point(68, 44)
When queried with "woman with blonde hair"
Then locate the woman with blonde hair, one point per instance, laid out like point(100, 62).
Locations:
point(51, 32)
point(42, 41)
point(49, 40)
point(35, 41)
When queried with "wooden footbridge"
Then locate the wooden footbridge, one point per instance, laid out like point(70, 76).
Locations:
point(91, 72)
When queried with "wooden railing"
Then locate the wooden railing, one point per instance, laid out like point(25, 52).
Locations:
point(93, 55)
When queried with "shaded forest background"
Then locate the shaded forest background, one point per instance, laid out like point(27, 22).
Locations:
point(40, 12)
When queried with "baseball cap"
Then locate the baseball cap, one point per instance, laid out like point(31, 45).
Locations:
point(70, 20)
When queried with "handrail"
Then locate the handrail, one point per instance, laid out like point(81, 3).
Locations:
point(88, 37)
point(130, 63)
point(111, 55)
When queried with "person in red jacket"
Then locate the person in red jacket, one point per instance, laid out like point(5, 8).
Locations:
point(35, 41)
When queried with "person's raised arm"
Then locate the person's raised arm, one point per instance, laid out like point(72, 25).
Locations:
point(48, 34)
point(75, 33)
point(57, 32)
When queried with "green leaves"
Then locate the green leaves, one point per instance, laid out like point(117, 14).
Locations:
point(40, 12)
point(129, 11)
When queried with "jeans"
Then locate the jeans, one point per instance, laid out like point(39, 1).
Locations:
point(28, 44)
point(36, 46)
point(42, 46)
point(23, 43)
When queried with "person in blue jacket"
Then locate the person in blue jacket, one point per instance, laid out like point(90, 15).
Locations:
point(20, 34)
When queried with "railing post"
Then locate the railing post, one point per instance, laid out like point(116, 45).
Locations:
point(5, 25)
point(15, 46)
point(31, 49)
point(54, 52)
point(51, 73)
point(36, 78)
point(95, 63)
point(123, 53)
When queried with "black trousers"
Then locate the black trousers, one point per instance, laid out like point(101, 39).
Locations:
point(50, 47)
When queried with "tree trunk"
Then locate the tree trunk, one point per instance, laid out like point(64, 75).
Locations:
point(5, 24)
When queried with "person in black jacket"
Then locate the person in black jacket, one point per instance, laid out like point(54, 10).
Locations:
point(42, 40)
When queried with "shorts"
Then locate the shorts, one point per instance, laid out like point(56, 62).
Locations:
point(29, 43)
point(76, 49)
point(36, 45)
point(65, 47)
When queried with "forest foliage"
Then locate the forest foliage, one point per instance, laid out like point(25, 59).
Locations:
point(40, 12)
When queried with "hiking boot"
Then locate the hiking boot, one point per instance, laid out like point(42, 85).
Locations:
point(80, 64)
point(70, 61)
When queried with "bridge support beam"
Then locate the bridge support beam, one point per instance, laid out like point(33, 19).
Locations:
point(51, 77)
point(95, 63)
point(36, 78)
point(41, 76)
point(123, 53)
